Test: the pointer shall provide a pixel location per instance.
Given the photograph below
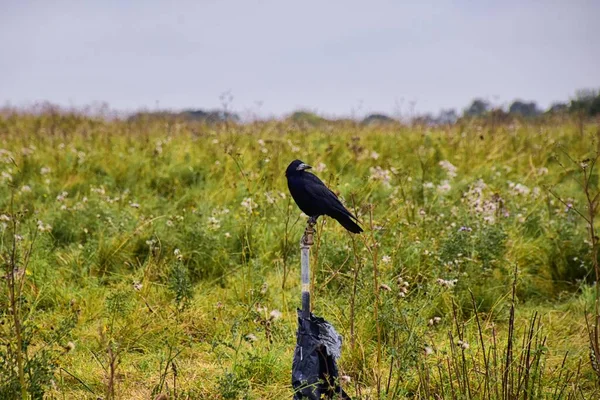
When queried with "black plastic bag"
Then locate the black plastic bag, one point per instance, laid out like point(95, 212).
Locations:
point(314, 368)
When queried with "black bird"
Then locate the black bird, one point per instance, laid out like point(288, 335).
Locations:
point(314, 198)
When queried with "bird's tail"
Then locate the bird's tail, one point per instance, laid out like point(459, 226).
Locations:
point(348, 223)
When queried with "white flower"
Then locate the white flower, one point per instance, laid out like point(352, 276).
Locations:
point(428, 185)
point(43, 227)
point(428, 351)
point(134, 205)
point(213, 223)
point(177, 254)
point(137, 286)
point(380, 174)
point(270, 198)
point(6, 176)
point(62, 196)
point(345, 379)
point(444, 187)
point(251, 338)
point(248, 204)
point(227, 235)
point(275, 315)
point(374, 155)
point(448, 167)
point(447, 283)
point(463, 344)
point(542, 171)
point(385, 287)
point(386, 259)
point(45, 170)
point(6, 156)
point(26, 189)
point(69, 347)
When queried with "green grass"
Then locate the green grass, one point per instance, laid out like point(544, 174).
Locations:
point(165, 246)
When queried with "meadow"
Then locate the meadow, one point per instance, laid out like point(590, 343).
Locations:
point(156, 258)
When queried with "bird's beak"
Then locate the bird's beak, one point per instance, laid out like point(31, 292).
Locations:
point(303, 166)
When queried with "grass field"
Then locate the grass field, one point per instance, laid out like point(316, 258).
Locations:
point(154, 257)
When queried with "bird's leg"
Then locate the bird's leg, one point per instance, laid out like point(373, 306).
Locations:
point(307, 238)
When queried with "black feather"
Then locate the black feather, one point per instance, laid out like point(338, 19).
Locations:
point(315, 199)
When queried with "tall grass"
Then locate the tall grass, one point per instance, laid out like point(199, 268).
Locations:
point(159, 258)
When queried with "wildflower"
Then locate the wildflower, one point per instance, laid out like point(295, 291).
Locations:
point(448, 167)
point(261, 309)
point(345, 379)
point(45, 170)
point(261, 142)
point(264, 288)
point(213, 223)
point(26, 189)
point(447, 283)
point(134, 205)
point(4, 217)
point(374, 155)
point(386, 259)
point(402, 282)
point(275, 315)
point(227, 235)
point(542, 171)
point(6, 176)
point(444, 187)
point(177, 254)
point(385, 287)
point(62, 196)
point(519, 189)
point(428, 185)
point(465, 229)
point(43, 227)
point(248, 204)
point(137, 286)
point(463, 344)
point(251, 338)
point(270, 198)
point(584, 164)
point(69, 347)
point(428, 351)
point(380, 174)
point(169, 223)
point(215, 141)
point(6, 156)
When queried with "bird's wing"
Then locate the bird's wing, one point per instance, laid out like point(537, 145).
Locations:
point(317, 190)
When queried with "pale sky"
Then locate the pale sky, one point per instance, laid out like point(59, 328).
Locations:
point(334, 57)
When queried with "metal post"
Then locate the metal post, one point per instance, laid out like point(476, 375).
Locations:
point(305, 243)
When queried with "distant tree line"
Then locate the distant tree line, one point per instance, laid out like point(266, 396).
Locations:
point(585, 104)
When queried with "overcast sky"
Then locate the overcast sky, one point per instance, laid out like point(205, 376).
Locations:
point(334, 57)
